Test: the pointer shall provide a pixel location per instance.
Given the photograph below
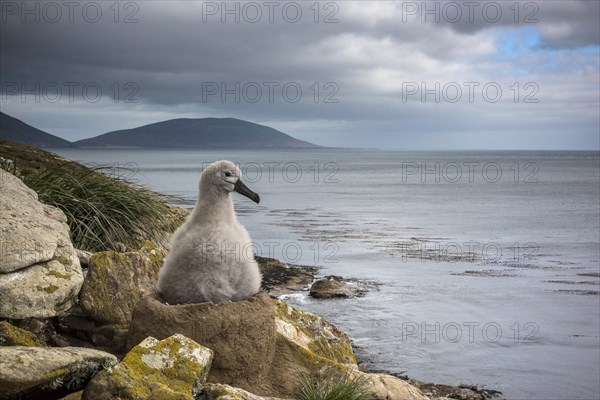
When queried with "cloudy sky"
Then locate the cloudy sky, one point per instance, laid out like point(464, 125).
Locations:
point(386, 74)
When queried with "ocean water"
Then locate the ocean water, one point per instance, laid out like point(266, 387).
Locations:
point(483, 267)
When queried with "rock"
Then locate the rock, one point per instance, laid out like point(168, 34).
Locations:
point(261, 345)
point(312, 333)
point(84, 257)
point(44, 290)
point(278, 278)
point(447, 392)
point(119, 278)
point(11, 335)
point(174, 368)
point(387, 387)
point(40, 274)
point(112, 278)
point(73, 396)
point(335, 286)
point(33, 372)
point(241, 334)
point(31, 232)
point(217, 391)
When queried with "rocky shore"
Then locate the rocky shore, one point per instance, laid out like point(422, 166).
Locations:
point(80, 325)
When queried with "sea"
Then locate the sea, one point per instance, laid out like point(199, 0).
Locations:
point(481, 267)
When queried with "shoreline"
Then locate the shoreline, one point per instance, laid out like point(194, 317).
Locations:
point(294, 281)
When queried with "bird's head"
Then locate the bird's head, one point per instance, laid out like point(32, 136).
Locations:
point(226, 176)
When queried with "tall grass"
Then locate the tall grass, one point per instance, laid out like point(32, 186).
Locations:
point(332, 385)
point(103, 207)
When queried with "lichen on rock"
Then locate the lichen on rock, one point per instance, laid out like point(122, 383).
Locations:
point(261, 345)
point(33, 372)
point(119, 278)
point(314, 333)
point(40, 274)
point(218, 391)
point(173, 368)
point(11, 335)
point(44, 290)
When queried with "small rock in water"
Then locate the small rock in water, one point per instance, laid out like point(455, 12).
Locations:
point(335, 286)
point(279, 279)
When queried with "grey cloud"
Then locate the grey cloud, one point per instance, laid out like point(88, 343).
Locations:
point(562, 23)
point(171, 55)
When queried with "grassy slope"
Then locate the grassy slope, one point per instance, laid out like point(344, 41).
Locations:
point(104, 210)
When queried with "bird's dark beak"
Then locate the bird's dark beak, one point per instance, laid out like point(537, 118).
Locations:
point(245, 191)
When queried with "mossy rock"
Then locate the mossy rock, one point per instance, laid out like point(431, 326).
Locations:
point(218, 391)
point(11, 335)
point(171, 369)
point(119, 278)
point(261, 345)
point(314, 333)
point(47, 372)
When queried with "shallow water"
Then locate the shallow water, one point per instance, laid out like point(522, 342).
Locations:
point(478, 255)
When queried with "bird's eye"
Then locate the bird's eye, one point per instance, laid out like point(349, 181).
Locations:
point(227, 173)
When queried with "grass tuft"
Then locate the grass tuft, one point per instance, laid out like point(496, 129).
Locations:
point(103, 208)
point(329, 385)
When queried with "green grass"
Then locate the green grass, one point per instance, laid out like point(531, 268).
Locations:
point(330, 385)
point(103, 207)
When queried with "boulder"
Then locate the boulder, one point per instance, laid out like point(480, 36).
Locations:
point(174, 368)
point(11, 335)
point(241, 334)
point(44, 290)
point(112, 278)
point(84, 257)
point(387, 387)
point(313, 334)
point(261, 345)
point(335, 286)
point(119, 278)
point(40, 274)
point(217, 391)
point(31, 231)
point(33, 372)
point(73, 396)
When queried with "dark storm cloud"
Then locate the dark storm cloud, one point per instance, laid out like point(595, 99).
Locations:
point(351, 66)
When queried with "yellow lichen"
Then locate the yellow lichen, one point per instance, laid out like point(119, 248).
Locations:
point(153, 252)
point(10, 335)
point(47, 289)
point(132, 375)
point(63, 260)
point(327, 340)
point(59, 275)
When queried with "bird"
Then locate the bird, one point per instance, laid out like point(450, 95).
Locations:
point(210, 257)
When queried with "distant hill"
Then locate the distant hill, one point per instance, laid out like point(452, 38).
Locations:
point(198, 133)
point(18, 131)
